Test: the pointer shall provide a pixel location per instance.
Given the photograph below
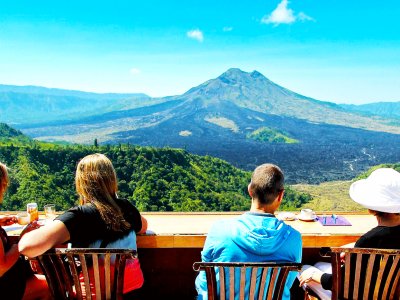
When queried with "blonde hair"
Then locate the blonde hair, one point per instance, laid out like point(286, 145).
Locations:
point(3, 180)
point(96, 183)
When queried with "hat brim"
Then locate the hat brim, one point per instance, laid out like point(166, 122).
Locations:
point(372, 197)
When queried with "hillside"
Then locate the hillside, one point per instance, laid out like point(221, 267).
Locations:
point(10, 135)
point(388, 110)
point(9, 132)
point(334, 195)
point(265, 134)
point(153, 179)
point(329, 196)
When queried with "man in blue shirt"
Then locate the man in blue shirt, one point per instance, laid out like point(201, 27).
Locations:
point(257, 235)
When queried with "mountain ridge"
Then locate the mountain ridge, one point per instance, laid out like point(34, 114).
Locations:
point(217, 117)
point(33, 104)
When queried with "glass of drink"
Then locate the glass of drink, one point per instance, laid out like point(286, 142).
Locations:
point(23, 218)
point(50, 211)
point(32, 210)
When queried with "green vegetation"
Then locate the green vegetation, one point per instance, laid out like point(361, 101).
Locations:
point(329, 196)
point(293, 200)
point(395, 166)
point(266, 134)
point(334, 195)
point(10, 135)
point(153, 179)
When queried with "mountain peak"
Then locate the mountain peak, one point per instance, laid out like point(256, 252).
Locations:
point(256, 74)
point(234, 71)
point(236, 75)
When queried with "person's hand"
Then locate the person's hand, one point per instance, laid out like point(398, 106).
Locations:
point(343, 254)
point(31, 226)
point(342, 257)
point(311, 274)
point(7, 220)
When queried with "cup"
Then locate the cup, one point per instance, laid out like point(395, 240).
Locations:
point(50, 211)
point(23, 218)
point(307, 213)
point(32, 210)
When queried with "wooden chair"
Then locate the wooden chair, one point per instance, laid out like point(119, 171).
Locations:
point(102, 271)
point(368, 274)
point(257, 280)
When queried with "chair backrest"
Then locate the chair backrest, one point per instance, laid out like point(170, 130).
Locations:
point(246, 280)
point(365, 274)
point(78, 273)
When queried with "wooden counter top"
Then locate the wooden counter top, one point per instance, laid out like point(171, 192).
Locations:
point(189, 230)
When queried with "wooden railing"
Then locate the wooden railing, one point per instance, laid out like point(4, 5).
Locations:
point(174, 241)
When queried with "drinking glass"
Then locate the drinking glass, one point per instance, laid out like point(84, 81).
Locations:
point(32, 210)
point(50, 211)
point(23, 218)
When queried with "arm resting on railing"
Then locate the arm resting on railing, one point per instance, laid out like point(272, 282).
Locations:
point(38, 241)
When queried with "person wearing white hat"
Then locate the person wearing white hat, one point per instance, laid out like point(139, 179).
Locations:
point(380, 193)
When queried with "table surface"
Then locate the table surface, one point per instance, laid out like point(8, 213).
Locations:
point(188, 230)
point(200, 223)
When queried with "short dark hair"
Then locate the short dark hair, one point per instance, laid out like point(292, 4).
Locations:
point(267, 181)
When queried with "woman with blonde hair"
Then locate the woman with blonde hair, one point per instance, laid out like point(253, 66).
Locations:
point(17, 280)
point(100, 219)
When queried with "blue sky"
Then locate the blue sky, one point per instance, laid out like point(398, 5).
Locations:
point(341, 51)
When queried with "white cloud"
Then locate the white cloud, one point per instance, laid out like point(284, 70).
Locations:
point(134, 71)
point(196, 34)
point(303, 17)
point(227, 29)
point(282, 14)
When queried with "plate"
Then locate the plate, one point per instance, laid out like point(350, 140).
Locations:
point(287, 216)
point(305, 218)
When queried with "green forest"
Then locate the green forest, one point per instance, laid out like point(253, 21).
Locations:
point(153, 179)
point(271, 135)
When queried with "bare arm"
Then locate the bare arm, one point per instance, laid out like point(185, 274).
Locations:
point(7, 259)
point(144, 225)
point(38, 241)
point(7, 220)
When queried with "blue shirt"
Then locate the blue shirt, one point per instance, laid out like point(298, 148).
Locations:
point(251, 237)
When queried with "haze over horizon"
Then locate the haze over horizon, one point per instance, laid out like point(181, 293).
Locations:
point(345, 52)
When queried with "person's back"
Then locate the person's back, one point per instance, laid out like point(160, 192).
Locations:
point(255, 236)
point(101, 220)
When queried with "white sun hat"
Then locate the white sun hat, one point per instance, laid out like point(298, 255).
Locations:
point(379, 192)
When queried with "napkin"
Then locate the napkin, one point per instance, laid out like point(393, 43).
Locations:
point(327, 220)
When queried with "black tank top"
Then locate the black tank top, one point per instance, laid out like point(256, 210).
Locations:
point(13, 282)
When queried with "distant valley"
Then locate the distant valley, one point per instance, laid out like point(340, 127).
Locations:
point(241, 117)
